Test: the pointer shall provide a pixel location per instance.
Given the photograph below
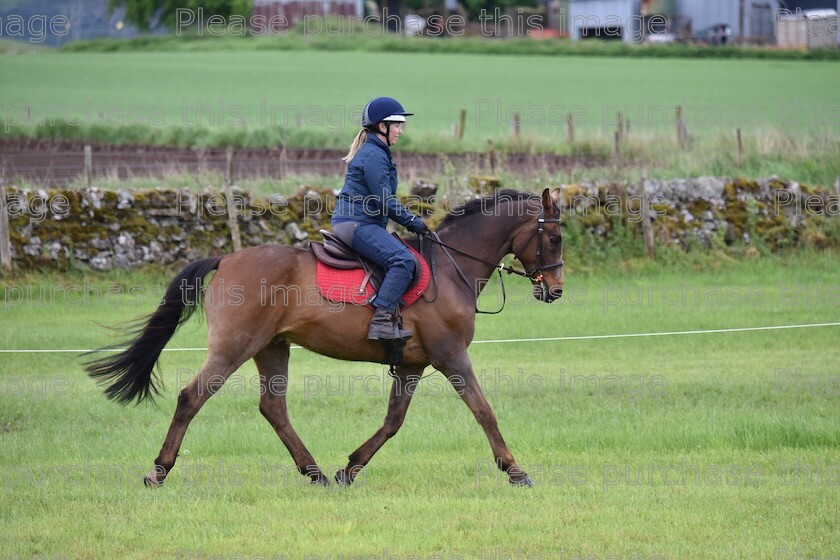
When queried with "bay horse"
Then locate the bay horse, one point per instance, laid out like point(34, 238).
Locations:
point(243, 324)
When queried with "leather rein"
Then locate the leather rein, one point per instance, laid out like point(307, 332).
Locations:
point(535, 274)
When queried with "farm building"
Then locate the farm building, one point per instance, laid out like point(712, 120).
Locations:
point(803, 5)
point(753, 20)
point(604, 19)
point(718, 21)
point(279, 15)
point(794, 37)
point(811, 29)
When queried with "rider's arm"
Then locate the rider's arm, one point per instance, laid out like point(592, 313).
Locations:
point(378, 177)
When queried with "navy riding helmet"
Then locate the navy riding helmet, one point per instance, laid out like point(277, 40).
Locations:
point(383, 109)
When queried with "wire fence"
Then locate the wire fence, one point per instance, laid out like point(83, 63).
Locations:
point(61, 163)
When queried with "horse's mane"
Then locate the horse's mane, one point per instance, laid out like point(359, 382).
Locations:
point(475, 206)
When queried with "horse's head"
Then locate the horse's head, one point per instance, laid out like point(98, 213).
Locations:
point(538, 244)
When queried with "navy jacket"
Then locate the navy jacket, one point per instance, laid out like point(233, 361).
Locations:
point(370, 189)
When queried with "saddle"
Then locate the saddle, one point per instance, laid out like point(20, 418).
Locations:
point(345, 276)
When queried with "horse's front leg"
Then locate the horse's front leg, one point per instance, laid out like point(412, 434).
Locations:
point(459, 371)
point(402, 390)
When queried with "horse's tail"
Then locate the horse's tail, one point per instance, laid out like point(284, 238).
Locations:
point(128, 375)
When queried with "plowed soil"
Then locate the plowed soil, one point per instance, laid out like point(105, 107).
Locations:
point(57, 162)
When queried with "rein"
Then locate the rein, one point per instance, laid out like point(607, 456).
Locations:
point(498, 267)
point(535, 275)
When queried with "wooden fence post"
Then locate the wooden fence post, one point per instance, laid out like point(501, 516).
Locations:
point(617, 146)
point(229, 166)
point(88, 166)
point(678, 120)
point(231, 203)
point(201, 156)
point(647, 225)
point(515, 123)
point(492, 156)
point(5, 235)
point(740, 149)
point(462, 122)
point(682, 131)
point(284, 162)
point(619, 125)
point(837, 190)
point(570, 128)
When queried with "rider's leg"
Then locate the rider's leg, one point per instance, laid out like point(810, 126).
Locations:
point(375, 243)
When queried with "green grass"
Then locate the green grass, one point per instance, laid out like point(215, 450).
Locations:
point(788, 111)
point(332, 34)
point(9, 47)
point(760, 446)
point(232, 86)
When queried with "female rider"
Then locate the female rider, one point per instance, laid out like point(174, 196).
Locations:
point(367, 201)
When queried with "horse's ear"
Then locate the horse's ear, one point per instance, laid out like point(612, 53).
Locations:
point(548, 203)
point(555, 196)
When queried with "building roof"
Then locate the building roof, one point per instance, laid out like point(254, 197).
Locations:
point(803, 5)
point(809, 14)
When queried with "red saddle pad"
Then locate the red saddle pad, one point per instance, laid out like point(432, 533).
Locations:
point(345, 286)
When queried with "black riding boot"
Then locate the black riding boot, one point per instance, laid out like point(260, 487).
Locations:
point(385, 325)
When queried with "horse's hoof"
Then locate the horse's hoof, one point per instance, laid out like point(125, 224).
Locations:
point(524, 480)
point(151, 482)
point(320, 480)
point(343, 478)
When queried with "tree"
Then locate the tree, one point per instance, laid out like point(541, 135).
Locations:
point(146, 14)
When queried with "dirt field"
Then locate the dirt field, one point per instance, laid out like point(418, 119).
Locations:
point(49, 162)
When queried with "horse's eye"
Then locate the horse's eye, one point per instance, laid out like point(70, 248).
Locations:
point(554, 240)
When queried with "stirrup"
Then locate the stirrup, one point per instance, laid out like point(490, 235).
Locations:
point(387, 325)
point(393, 351)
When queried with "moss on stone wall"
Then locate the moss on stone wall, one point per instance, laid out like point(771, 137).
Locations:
point(92, 228)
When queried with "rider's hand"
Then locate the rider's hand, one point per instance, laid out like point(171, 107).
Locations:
point(419, 227)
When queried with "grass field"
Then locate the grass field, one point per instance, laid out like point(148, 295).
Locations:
point(239, 89)
point(702, 446)
point(334, 34)
point(789, 111)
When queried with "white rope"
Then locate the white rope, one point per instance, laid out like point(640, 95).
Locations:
point(672, 333)
point(497, 341)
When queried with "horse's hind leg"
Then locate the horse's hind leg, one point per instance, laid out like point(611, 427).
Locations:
point(401, 392)
point(212, 376)
point(273, 365)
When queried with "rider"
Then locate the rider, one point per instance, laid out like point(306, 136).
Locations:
point(364, 205)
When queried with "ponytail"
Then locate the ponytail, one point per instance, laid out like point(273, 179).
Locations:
point(360, 139)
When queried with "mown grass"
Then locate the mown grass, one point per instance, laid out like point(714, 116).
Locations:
point(10, 47)
point(788, 111)
point(709, 445)
point(239, 90)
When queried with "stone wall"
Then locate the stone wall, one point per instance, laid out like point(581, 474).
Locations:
point(705, 211)
point(97, 229)
point(100, 230)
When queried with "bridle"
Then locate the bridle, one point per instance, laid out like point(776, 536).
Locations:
point(535, 275)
